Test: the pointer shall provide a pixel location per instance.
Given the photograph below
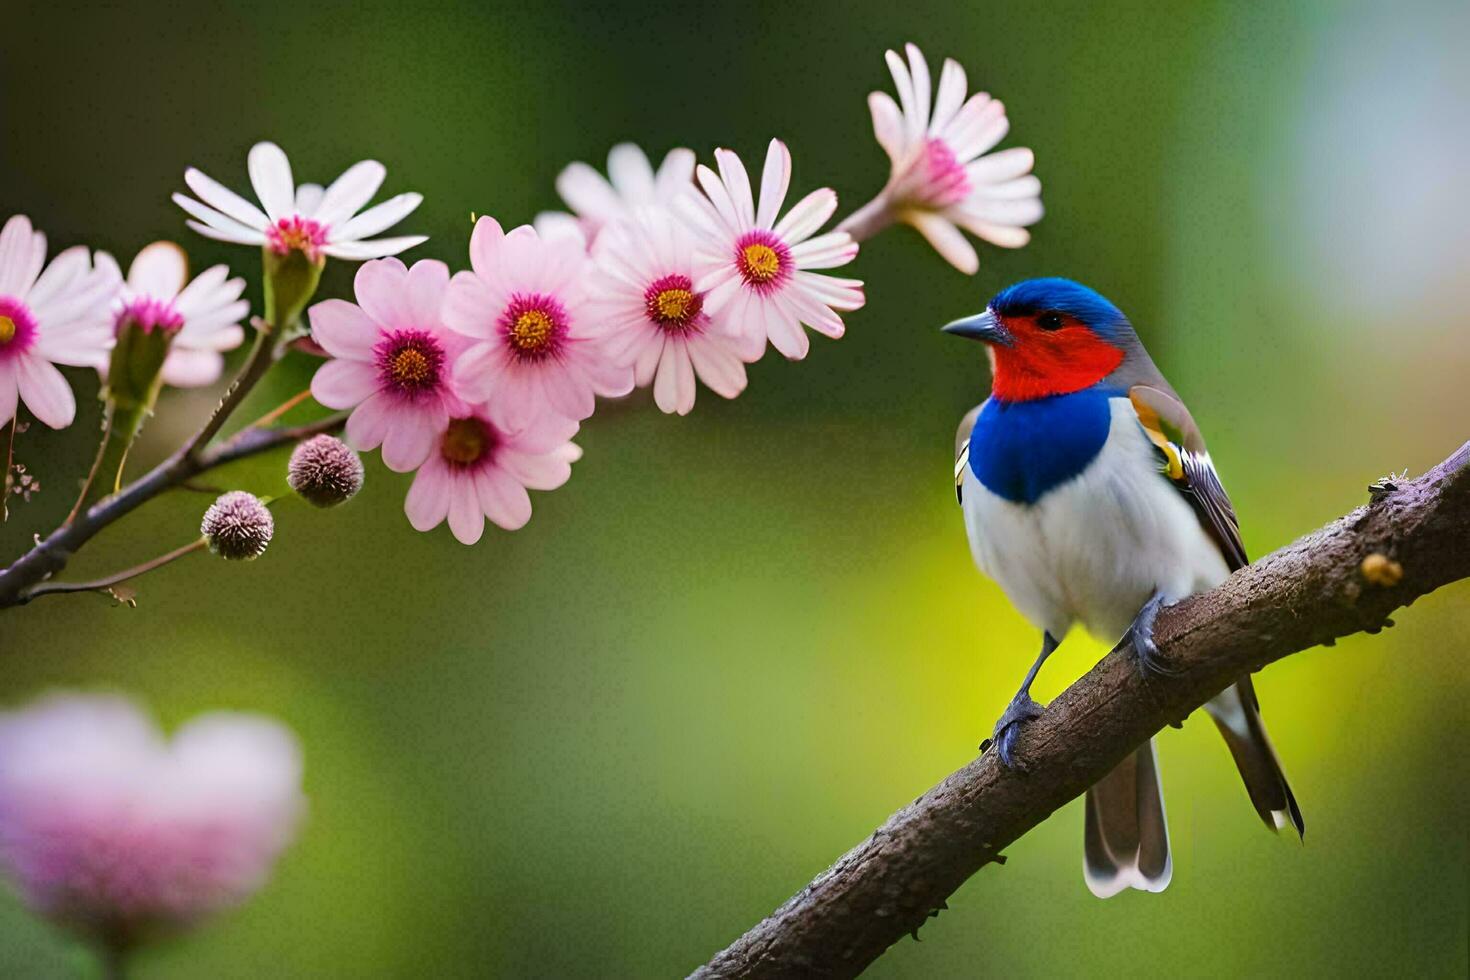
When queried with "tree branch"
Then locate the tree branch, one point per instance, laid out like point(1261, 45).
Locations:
point(1325, 585)
point(51, 554)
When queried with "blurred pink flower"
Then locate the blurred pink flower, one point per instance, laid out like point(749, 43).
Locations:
point(938, 178)
point(645, 293)
point(206, 313)
point(307, 218)
point(630, 184)
point(535, 350)
point(393, 359)
point(111, 830)
point(754, 268)
point(60, 316)
point(483, 470)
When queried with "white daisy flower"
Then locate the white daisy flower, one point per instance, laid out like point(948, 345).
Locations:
point(756, 270)
point(631, 183)
point(60, 316)
point(203, 315)
point(307, 218)
point(939, 178)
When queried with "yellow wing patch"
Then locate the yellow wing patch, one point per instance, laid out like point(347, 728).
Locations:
point(1153, 426)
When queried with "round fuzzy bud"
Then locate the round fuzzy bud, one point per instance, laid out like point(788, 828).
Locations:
point(238, 526)
point(325, 471)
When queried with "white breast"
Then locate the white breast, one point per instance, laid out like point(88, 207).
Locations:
point(1093, 549)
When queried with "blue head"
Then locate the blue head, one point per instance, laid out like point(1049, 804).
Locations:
point(1049, 337)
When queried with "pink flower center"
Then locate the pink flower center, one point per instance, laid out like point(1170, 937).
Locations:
point(936, 178)
point(297, 234)
point(672, 304)
point(151, 314)
point(763, 259)
point(410, 362)
point(17, 328)
point(534, 326)
point(468, 443)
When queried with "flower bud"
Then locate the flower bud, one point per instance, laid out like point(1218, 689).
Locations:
point(292, 272)
point(145, 330)
point(238, 526)
point(325, 471)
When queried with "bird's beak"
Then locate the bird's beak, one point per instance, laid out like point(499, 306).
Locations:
point(982, 326)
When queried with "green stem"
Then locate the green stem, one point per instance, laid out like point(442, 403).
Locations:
point(122, 427)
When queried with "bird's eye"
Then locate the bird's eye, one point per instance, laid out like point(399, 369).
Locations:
point(1051, 320)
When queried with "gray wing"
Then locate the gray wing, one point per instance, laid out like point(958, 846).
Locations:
point(962, 450)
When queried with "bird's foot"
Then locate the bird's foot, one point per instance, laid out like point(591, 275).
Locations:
point(1144, 648)
point(1021, 710)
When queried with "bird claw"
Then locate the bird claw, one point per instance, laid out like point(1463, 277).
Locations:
point(1021, 710)
point(1141, 634)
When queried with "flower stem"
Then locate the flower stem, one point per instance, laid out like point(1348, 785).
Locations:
point(105, 583)
point(119, 431)
point(869, 219)
point(9, 462)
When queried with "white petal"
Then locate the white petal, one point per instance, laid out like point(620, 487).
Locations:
point(222, 199)
point(22, 253)
point(245, 237)
point(977, 127)
point(919, 70)
point(775, 179)
point(631, 173)
point(44, 391)
point(379, 217)
point(913, 126)
point(1002, 166)
point(308, 199)
point(218, 221)
point(946, 239)
point(951, 95)
point(587, 192)
point(887, 125)
point(270, 175)
point(158, 271)
point(809, 214)
point(59, 275)
point(375, 249)
point(349, 192)
point(737, 182)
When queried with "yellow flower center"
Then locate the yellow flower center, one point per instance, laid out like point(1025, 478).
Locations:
point(761, 262)
point(673, 303)
point(465, 441)
point(531, 332)
point(7, 330)
point(410, 367)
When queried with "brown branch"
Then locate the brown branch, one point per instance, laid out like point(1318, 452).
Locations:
point(1325, 585)
point(51, 554)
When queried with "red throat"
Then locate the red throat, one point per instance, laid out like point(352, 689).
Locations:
point(1042, 363)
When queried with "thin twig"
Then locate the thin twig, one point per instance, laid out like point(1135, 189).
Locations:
point(269, 418)
point(117, 578)
point(50, 554)
point(1307, 594)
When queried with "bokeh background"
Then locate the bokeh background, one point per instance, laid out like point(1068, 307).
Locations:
point(607, 744)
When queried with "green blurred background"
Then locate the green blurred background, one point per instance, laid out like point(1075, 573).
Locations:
point(607, 744)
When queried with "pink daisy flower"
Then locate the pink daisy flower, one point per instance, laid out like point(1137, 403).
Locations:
point(205, 314)
point(756, 269)
point(645, 294)
point(314, 221)
point(60, 316)
point(393, 359)
point(939, 181)
point(631, 184)
point(535, 350)
point(482, 470)
point(111, 830)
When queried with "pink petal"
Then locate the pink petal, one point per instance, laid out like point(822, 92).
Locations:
point(368, 423)
point(342, 383)
point(187, 368)
point(466, 518)
point(9, 394)
point(411, 436)
point(545, 471)
point(502, 499)
point(428, 280)
point(44, 391)
point(381, 291)
point(484, 247)
point(717, 365)
point(471, 307)
point(343, 329)
point(428, 499)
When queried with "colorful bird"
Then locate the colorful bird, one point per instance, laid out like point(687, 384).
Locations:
point(1090, 498)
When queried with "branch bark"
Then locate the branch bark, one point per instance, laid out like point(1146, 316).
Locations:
point(1307, 594)
point(50, 555)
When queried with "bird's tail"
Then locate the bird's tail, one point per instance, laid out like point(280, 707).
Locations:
point(1127, 839)
point(1237, 714)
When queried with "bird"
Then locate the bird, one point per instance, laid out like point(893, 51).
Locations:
point(1090, 499)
